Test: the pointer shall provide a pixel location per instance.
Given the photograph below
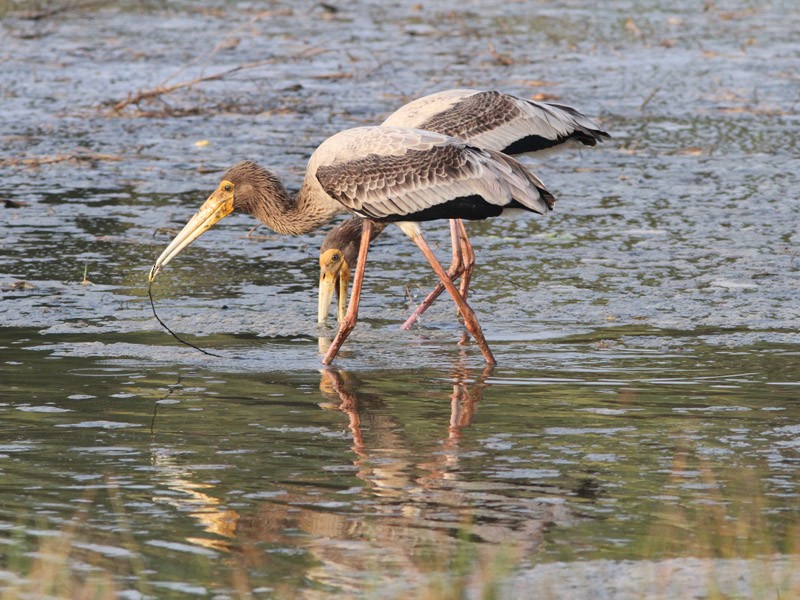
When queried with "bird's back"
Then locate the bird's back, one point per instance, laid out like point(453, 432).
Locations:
point(399, 174)
point(498, 121)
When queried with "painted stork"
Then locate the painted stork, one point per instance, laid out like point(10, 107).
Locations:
point(383, 174)
point(487, 119)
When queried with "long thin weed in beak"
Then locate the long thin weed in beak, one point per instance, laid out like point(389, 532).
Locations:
point(172, 333)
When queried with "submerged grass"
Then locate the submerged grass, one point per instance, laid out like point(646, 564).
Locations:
point(724, 537)
point(69, 562)
point(730, 517)
point(717, 540)
point(466, 570)
point(721, 513)
point(50, 570)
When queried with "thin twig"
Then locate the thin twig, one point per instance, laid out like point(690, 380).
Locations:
point(172, 387)
point(164, 325)
point(219, 46)
point(161, 90)
point(44, 14)
point(650, 97)
point(77, 155)
point(500, 58)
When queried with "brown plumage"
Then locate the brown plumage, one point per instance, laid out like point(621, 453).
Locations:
point(444, 172)
point(250, 188)
point(493, 121)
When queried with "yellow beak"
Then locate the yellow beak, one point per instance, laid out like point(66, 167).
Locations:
point(218, 206)
point(332, 279)
point(327, 284)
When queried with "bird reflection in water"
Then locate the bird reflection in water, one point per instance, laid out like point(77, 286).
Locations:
point(198, 499)
point(429, 502)
point(418, 499)
point(340, 386)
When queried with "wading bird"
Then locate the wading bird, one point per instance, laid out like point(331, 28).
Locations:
point(385, 175)
point(486, 119)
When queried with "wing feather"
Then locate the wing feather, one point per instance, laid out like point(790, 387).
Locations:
point(497, 121)
point(395, 173)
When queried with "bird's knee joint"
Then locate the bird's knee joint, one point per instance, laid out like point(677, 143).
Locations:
point(347, 324)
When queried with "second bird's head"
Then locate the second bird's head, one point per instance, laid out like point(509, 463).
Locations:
point(337, 259)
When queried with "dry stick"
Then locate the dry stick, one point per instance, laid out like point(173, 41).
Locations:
point(222, 44)
point(252, 231)
point(38, 16)
point(161, 90)
point(171, 388)
point(164, 325)
point(78, 155)
point(650, 97)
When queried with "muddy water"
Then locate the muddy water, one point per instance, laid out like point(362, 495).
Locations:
point(646, 396)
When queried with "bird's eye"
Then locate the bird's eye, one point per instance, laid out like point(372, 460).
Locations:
point(336, 257)
point(227, 187)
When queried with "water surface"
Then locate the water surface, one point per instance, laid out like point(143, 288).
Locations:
point(640, 431)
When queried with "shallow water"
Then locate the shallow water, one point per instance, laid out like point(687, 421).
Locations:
point(645, 407)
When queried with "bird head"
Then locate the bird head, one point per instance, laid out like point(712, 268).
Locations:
point(242, 187)
point(334, 276)
point(337, 259)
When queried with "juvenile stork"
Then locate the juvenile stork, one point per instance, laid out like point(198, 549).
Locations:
point(486, 119)
point(385, 175)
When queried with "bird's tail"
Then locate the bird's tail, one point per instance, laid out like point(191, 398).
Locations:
point(586, 131)
point(526, 188)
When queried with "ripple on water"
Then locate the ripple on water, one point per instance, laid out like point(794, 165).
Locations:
point(43, 409)
point(107, 450)
point(185, 548)
point(99, 425)
point(646, 330)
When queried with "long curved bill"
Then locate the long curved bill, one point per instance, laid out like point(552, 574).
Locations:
point(329, 283)
point(218, 206)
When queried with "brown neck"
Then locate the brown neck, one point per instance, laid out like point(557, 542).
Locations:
point(307, 211)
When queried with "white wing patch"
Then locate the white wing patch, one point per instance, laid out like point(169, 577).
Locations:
point(417, 112)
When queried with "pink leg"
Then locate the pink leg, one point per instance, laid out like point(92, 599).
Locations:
point(470, 320)
point(467, 259)
point(350, 318)
point(455, 270)
point(455, 240)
